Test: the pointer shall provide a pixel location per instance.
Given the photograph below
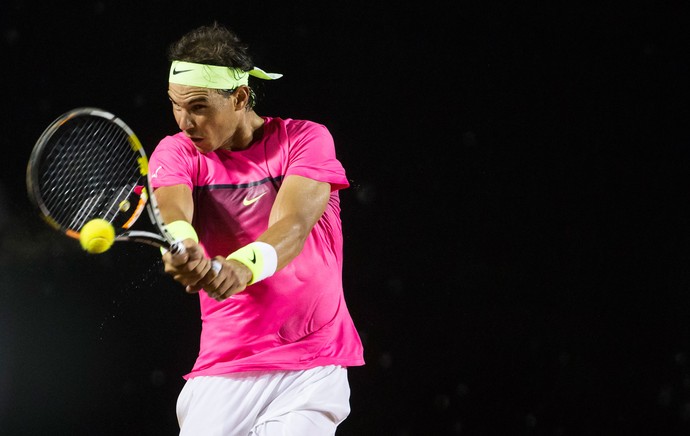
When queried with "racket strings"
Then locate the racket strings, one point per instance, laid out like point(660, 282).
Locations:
point(89, 170)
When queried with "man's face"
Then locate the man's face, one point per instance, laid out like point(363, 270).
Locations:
point(208, 118)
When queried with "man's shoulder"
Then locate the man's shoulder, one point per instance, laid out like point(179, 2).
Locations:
point(294, 124)
point(178, 138)
point(175, 143)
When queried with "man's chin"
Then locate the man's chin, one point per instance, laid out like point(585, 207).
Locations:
point(202, 146)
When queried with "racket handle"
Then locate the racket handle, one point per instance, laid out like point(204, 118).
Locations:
point(177, 248)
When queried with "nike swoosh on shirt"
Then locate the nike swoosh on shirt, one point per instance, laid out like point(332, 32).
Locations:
point(248, 201)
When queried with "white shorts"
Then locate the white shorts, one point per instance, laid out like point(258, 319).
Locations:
point(262, 403)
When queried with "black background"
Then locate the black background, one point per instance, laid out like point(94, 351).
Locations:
point(516, 243)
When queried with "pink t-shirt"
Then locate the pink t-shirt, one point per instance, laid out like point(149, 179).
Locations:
point(297, 318)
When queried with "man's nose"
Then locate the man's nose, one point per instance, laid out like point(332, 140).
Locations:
point(185, 122)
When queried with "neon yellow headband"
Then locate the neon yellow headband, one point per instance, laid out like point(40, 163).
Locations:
point(213, 76)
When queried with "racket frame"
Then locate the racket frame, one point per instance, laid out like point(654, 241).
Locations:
point(146, 198)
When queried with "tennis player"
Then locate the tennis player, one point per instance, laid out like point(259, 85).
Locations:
point(258, 194)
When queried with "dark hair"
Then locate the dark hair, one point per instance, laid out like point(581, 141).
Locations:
point(214, 45)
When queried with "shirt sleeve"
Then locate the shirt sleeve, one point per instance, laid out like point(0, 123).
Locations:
point(312, 155)
point(172, 163)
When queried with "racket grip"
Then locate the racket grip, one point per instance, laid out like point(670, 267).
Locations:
point(177, 248)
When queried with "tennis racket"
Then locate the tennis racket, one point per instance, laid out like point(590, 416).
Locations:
point(89, 164)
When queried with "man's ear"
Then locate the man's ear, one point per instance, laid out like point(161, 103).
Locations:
point(242, 94)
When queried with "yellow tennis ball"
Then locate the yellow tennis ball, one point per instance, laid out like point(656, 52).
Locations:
point(97, 236)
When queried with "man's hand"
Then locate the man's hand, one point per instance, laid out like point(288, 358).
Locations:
point(231, 279)
point(196, 272)
point(189, 268)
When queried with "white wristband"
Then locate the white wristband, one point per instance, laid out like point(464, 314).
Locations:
point(261, 259)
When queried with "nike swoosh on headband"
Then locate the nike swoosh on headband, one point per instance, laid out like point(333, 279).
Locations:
point(175, 72)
